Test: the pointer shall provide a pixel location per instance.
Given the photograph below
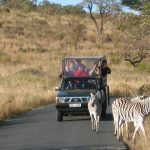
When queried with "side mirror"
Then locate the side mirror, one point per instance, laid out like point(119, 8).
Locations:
point(57, 88)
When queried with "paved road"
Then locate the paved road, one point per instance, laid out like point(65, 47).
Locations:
point(39, 130)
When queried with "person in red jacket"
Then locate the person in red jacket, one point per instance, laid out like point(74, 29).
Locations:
point(81, 69)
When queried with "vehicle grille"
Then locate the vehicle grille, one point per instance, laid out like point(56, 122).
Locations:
point(76, 99)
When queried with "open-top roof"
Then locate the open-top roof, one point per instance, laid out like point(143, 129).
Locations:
point(80, 66)
point(85, 57)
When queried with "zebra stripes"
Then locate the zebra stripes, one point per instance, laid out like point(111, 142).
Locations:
point(95, 109)
point(125, 111)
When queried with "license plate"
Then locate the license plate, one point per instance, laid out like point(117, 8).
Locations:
point(74, 105)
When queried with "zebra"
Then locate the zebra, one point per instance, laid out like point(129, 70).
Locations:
point(116, 117)
point(117, 120)
point(139, 98)
point(95, 109)
point(127, 111)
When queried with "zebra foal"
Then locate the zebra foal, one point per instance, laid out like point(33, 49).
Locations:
point(130, 111)
point(95, 109)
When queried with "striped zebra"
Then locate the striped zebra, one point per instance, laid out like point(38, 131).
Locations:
point(138, 98)
point(117, 118)
point(95, 109)
point(125, 111)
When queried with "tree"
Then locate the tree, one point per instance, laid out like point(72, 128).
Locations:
point(104, 7)
point(136, 37)
point(50, 8)
point(20, 4)
point(134, 4)
point(70, 9)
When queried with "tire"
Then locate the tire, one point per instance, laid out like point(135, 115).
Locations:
point(104, 106)
point(59, 116)
point(108, 99)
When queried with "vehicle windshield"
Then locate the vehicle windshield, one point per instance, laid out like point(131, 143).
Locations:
point(78, 67)
point(72, 84)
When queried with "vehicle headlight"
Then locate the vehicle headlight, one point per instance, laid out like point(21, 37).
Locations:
point(60, 100)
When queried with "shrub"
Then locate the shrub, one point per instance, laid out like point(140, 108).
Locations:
point(144, 90)
point(70, 9)
point(31, 75)
point(38, 50)
point(5, 10)
point(107, 38)
point(28, 5)
point(4, 58)
point(1, 24)
point(11, 31)
point(115, 59)
point(143, 68)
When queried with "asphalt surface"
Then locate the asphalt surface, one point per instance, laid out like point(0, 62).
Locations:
point(39, 130)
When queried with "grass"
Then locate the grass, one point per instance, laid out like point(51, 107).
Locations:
point(32, 46)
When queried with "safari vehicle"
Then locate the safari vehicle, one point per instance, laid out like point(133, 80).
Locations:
point(78, 81)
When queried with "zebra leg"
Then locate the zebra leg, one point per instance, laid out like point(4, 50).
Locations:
point(117, 129)
point(115, 126)
point(97, 123)
point(126, 124)
point(136, 129)
point(120, 128)
point(92, 121)
point(143, 131)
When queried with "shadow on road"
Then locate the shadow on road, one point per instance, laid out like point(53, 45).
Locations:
point(76, 118)
point(108, 117)
point(82, 147)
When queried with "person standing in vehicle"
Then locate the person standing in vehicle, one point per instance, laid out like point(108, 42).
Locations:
point(104, 69)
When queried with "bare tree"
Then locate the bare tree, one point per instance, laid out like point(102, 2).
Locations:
point(104, 7)
point(136, 47)
point(136, 40)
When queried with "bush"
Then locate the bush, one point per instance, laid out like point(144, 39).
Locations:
point(70, 9)
point(31, 75)
point(38, 50)
point(11, 31)
point(50, 8)
point(5, 10)
point(107, 38)
point(144, 90)
point(19, 4)
point(28, 5)
point(115, 59)
point(4, 58)
point(143, 68)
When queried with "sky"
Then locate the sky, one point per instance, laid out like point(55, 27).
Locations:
point(66, 2)
point(75, 2)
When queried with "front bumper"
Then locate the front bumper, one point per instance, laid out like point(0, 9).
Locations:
point(65, 107)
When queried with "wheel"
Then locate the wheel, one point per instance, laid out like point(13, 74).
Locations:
point(107, 95)
point(104, 106)
point(59, 116)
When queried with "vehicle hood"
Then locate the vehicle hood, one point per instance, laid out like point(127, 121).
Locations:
point(75, 93)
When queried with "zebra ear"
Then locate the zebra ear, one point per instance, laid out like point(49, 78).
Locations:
point(98, 94)
point(92, 95)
